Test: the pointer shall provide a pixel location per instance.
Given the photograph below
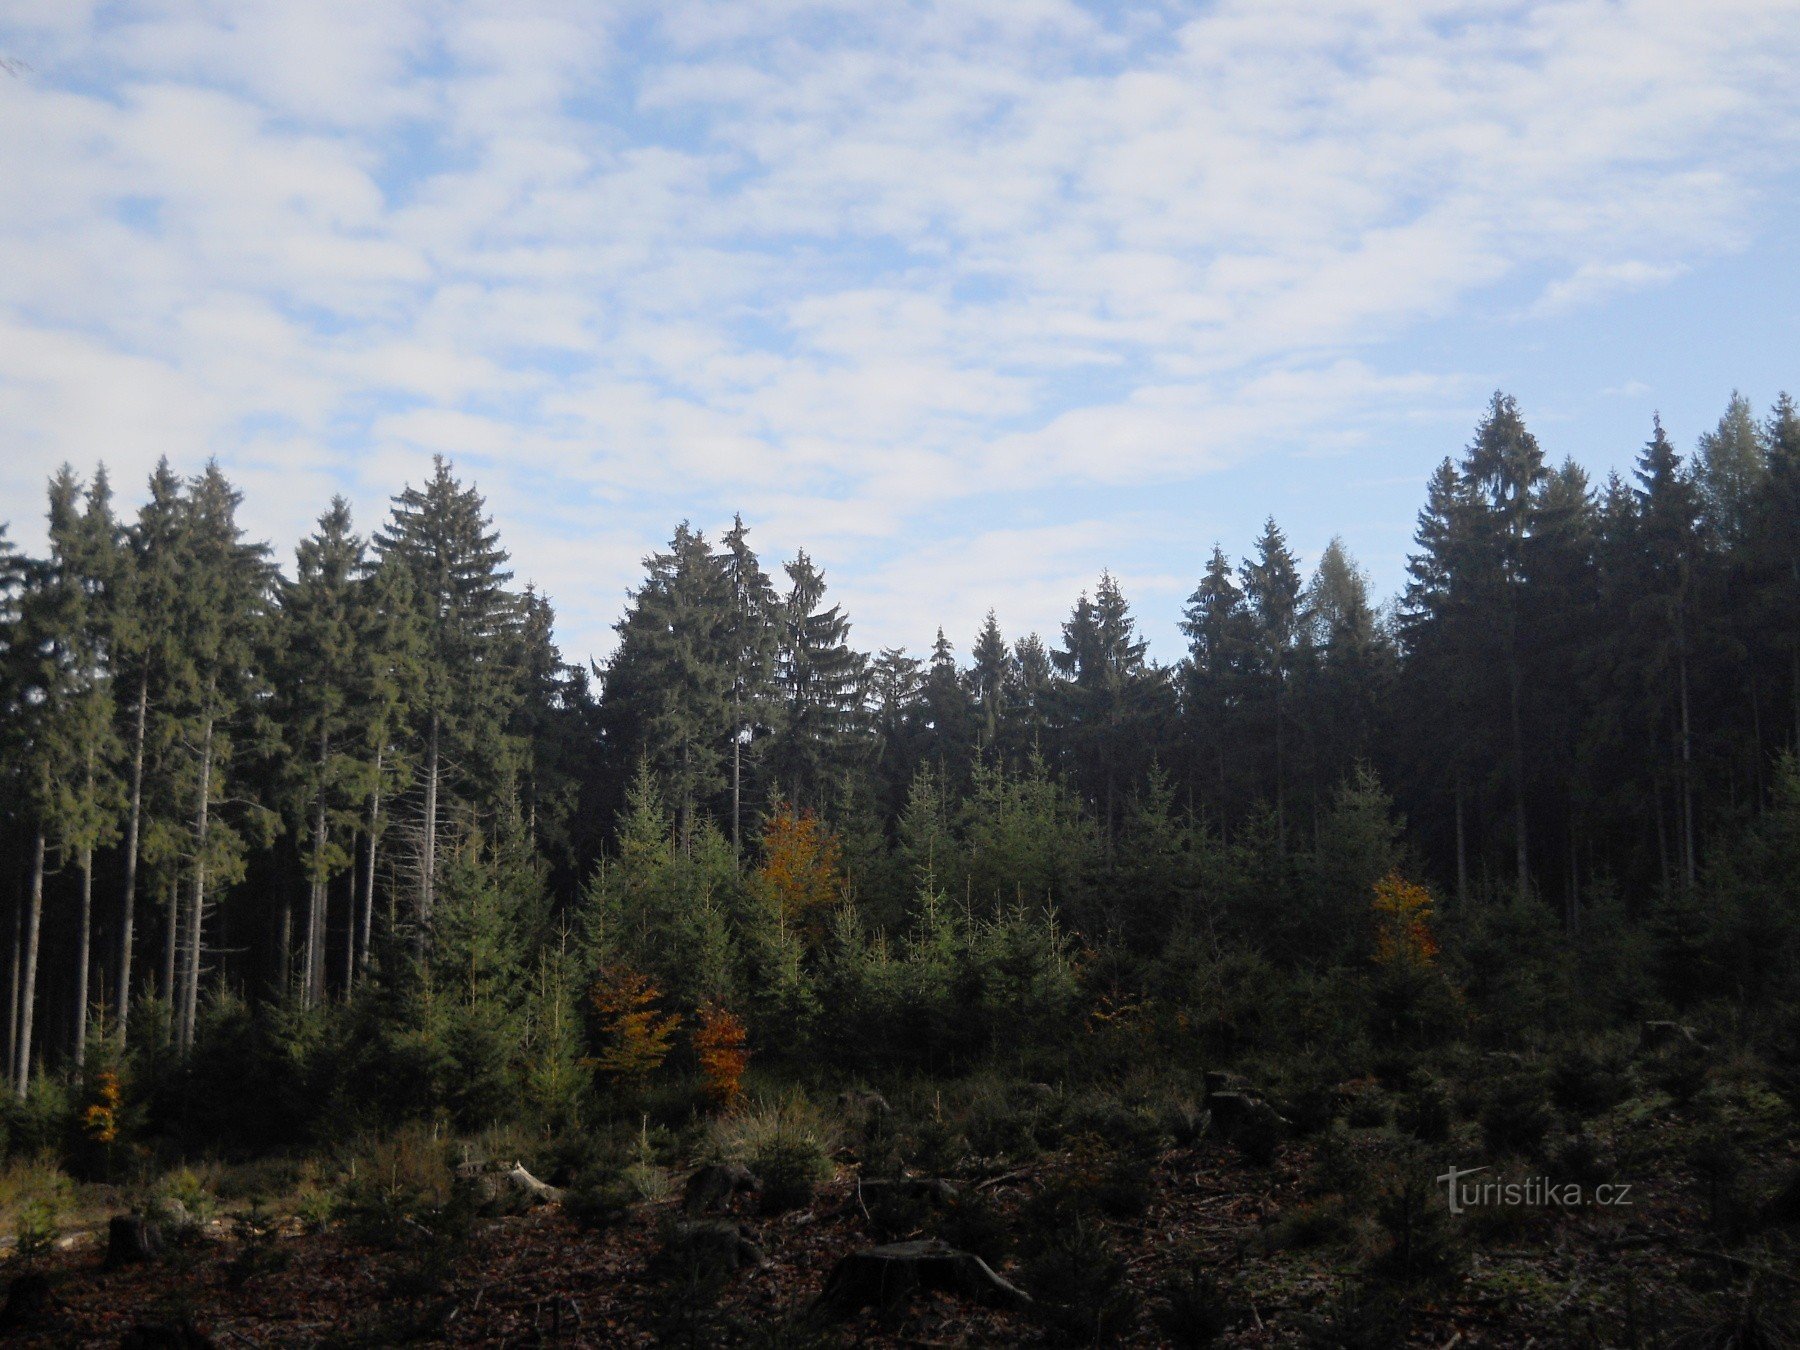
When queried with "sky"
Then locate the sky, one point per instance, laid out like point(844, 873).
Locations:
point(970, 300)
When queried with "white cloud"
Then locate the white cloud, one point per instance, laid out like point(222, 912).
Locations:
point(851, 268)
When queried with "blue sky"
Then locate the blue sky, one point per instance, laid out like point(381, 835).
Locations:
point(970, 300)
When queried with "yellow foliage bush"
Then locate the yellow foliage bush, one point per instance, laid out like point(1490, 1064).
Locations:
point(638, 1033)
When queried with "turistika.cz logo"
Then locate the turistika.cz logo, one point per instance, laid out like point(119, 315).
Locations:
point(1466, 1194)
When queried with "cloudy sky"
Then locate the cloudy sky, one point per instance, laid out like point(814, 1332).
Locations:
point(971, 300)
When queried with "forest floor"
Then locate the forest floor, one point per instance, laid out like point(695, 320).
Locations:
point(1218, 1249)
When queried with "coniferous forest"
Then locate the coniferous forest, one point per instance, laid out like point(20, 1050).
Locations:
point(376, 974)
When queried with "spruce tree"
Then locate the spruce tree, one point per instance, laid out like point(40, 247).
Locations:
point(750, 641)
point(669, 686)
point(1505, 467)
point(145, 652)
point(991, 683)
point(442, 537)
point(1271, 583)
point(819, 685)
point(1108, 697)
point(319, 705)
point(1440, 628)
point(1215, 676)
point(1667, 518)
point(215, 710)
point(85, 548)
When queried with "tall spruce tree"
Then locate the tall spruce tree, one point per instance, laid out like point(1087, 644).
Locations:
point(750, 642)
point(442, 536)
point(1440, 629)
point(145, 653)
point(215, 711)
point(1214, 677)
point(1505, 467)
point(1667, 519)
point(991, 684)
point(669, 685)
point(1271, 584)
point(319, 705)
point(1108, 698)
point(85, 548)
point(819, 684)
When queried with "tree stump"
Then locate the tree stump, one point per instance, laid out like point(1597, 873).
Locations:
point(712, 1187)
point(131, 1239)
point(933, 1190)
point(888, 1275)
point(708, 1249)
point(1661, 1035)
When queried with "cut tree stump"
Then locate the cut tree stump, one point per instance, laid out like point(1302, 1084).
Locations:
point(501, 1185)
point(131, 1239)
point(712, 1186)
point(864, 1107)
point(933, 1189)
point(713, 1246)
point(888, 1275)
point(1661, 1035)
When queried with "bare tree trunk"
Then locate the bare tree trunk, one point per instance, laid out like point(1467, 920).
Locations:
point(284, 955)
point(1662, 844)
point(350, 925)
point(428, 863)
point(1687, 777)
point(34, 914)
point(12, 980)
point(1462, 848)
point(368, 913)
point(190, 994)
point(171, 916)
point(128, 899)
point(1280, 773)
point(312, 978)
point(84, 944)
point(737, 758)
point(1516, 700)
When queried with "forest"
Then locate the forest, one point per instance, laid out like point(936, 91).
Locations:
point(1102, 1000)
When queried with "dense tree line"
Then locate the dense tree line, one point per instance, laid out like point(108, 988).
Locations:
point(370, 782)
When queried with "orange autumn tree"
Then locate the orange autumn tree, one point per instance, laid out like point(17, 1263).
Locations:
point(1403, 936)
point(100, 1118)
point(637, 1032)
point(802, 870)
point(720, 1045)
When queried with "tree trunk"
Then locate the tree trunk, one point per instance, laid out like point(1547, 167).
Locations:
point(350, 924)
point(284, 954)
point(1662, 845)
point(1515, 700)
point(128, 899)
point(34, 914)
point(368, 913)
point(1462, 847)
point(1280, 774)
point(316, 892)
point(84, 944)
point(171, 916)
point(12, 980)
point(428, 863)
point(1687, 776)
point(190, 994)
point(737, 763)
